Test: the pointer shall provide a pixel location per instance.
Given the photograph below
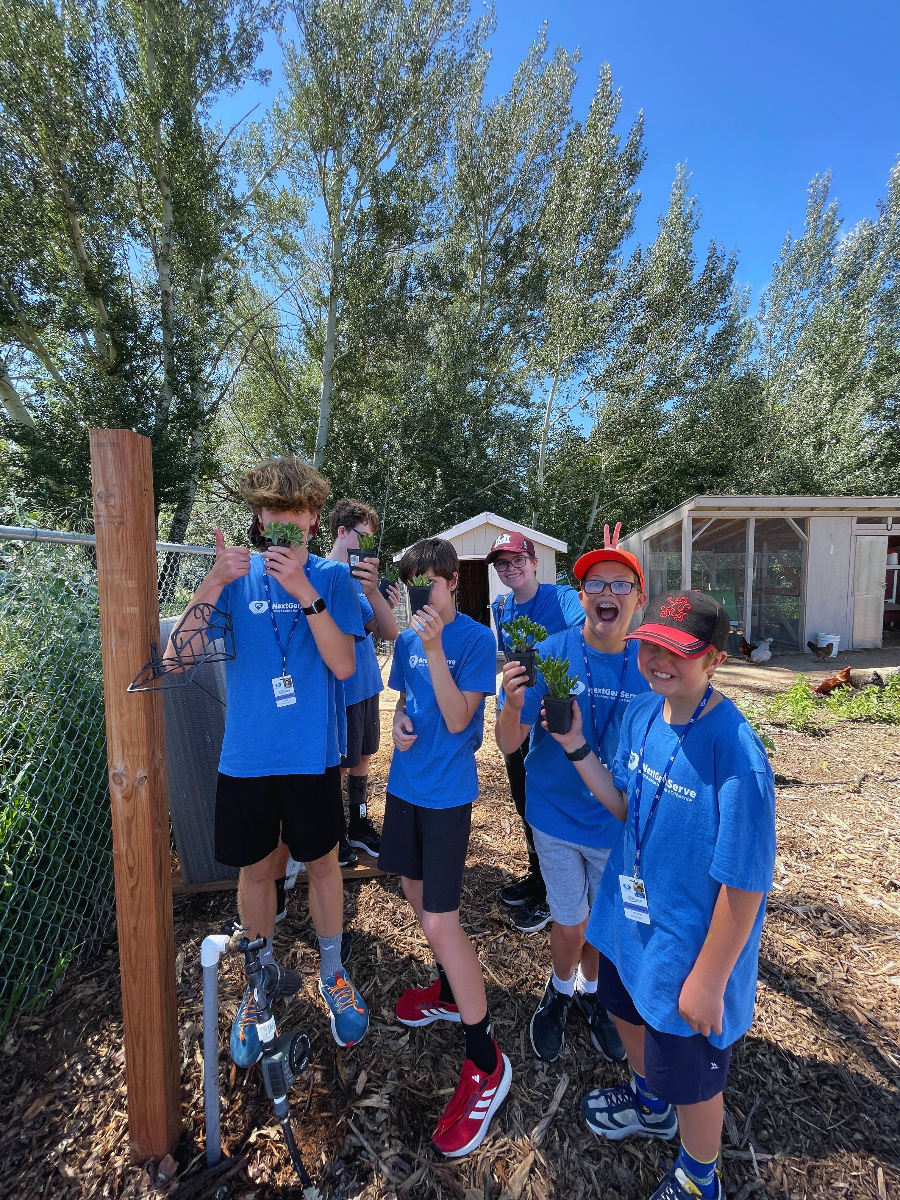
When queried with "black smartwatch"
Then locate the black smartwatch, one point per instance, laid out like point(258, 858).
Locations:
point(579, 754)
point(318, 605)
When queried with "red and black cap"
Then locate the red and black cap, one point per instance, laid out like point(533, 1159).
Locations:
point(512, 542)
point(687, 623)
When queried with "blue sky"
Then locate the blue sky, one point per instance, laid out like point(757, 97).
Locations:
point(756, 98)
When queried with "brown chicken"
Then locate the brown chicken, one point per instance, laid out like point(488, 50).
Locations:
point(747, 648)
point(821, 652)
point(827, 686)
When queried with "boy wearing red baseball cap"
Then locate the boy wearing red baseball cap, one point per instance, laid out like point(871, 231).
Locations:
point(680, 908)
point(572, 832)
point(556, 607)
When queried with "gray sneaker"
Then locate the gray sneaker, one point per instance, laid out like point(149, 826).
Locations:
point(616, 1113)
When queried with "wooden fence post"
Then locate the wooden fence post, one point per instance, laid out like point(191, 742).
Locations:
point(124, 523)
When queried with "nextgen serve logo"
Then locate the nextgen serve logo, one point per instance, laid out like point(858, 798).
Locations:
point(418, 660)
point(261, 606)
point(674, 789)
point(258, 606)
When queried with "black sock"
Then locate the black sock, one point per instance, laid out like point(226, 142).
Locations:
point(480, 1046)
point(446, 990)
point(356, 796)
point(280, 898)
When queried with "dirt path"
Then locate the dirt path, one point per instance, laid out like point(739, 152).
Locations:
point(812, 1101)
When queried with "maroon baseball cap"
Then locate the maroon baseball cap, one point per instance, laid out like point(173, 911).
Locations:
point(688, 623)
point(512, 543)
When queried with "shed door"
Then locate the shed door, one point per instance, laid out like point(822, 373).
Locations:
point(474, 595)
point(868, 590)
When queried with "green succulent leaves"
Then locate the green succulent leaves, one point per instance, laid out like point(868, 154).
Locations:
point(280, 531)
point(420, 581)
point(524, 633)
point(556, 675)
point(366, 541)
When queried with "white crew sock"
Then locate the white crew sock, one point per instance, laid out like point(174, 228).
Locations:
point(584, 985)
point(565, 987)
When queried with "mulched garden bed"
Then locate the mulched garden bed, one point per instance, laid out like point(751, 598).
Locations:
point(812, 1105)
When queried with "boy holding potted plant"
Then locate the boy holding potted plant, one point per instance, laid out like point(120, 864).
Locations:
point(680, 909)
point(554, 607)
point(296, 622)
point(353, 523)
point(443, 667)
point(572, 832)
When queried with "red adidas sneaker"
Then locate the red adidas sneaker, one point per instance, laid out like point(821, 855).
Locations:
point(421, 1006)
point(464, 1122)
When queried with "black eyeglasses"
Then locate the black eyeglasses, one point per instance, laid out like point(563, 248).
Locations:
point(504, 564)
point(618, 587)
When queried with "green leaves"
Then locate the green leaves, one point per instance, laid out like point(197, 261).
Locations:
point(556, 674)
point(524, 632)
point(285, 532)
point(366, 541)
point(420, 581)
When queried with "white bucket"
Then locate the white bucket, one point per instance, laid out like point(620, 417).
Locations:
point(822, 639)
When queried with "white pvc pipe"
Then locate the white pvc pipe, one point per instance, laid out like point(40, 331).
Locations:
point(212, 949)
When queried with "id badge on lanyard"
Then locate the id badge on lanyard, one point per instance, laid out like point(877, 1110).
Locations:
point(632, 887)
point(283, 684)
point(283, 687)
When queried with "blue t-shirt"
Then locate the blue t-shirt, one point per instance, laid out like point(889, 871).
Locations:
point(557, 801)
point(302, 738)
point(555, 606)
point(366, 679)
point(715, 825)
point(438, 770)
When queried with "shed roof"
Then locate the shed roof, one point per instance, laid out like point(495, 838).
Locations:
point(489, 518)
point(772, 506)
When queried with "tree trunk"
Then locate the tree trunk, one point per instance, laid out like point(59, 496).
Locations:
point(328, 354)
point(12, 401)
point(590, 524)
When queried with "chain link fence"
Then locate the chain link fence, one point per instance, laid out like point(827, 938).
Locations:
point(55, 837)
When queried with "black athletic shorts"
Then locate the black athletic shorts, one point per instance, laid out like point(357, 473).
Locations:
point(680, 1070)
point(428, 844)
point(252, 815)
point(363, 731)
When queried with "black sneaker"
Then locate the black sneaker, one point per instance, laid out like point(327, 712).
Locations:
point(280, 901)
point(529, 918)
point(604, 1034)
point(347, 856)
point(364, 836)
point(523, 891)
point(548, 1025)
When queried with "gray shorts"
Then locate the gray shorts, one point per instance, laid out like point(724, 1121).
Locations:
point(572, 875)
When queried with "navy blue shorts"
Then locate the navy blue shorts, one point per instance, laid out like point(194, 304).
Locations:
point(680, 1070)
point(428, 844)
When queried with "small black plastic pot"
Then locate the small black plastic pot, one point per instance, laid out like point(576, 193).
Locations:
point(383, 587)
point(525, 658)
point(356, 556)
point(418, 596)
point(558, 710)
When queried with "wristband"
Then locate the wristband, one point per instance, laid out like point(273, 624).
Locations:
point(579, 754)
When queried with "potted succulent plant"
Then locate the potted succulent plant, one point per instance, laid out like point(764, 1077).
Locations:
point(366, 550)
point(558, 700)
point(523, 633)
point(281, 533)
point(419, 588)
point(390, 578)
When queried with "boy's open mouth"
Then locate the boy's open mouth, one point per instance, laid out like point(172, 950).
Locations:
point(607, 613)
point(661, 675)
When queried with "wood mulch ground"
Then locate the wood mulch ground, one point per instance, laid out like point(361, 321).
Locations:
point(812, 1103)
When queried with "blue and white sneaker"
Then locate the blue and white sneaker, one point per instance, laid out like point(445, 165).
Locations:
point(349, 1015)
point(616, 1113)
point(244, 1041)
point(679, 1186)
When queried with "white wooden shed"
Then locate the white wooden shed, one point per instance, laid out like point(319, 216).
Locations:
point(786, 567)
point(479, 583)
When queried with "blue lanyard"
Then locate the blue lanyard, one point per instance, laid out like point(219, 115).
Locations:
point(638, 786)
point(283, 650)
point(590, 686)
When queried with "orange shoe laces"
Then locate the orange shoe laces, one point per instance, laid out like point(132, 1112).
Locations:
point(249, 1017)
point(344, 994)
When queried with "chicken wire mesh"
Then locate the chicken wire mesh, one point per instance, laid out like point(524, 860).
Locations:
point(55, 836)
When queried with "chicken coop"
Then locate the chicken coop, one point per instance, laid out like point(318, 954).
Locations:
point(787, 568)
point(479, 583)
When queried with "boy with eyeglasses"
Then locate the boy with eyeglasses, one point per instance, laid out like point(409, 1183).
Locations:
point(349, 520)
point(573, 833)
point(556, 607)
